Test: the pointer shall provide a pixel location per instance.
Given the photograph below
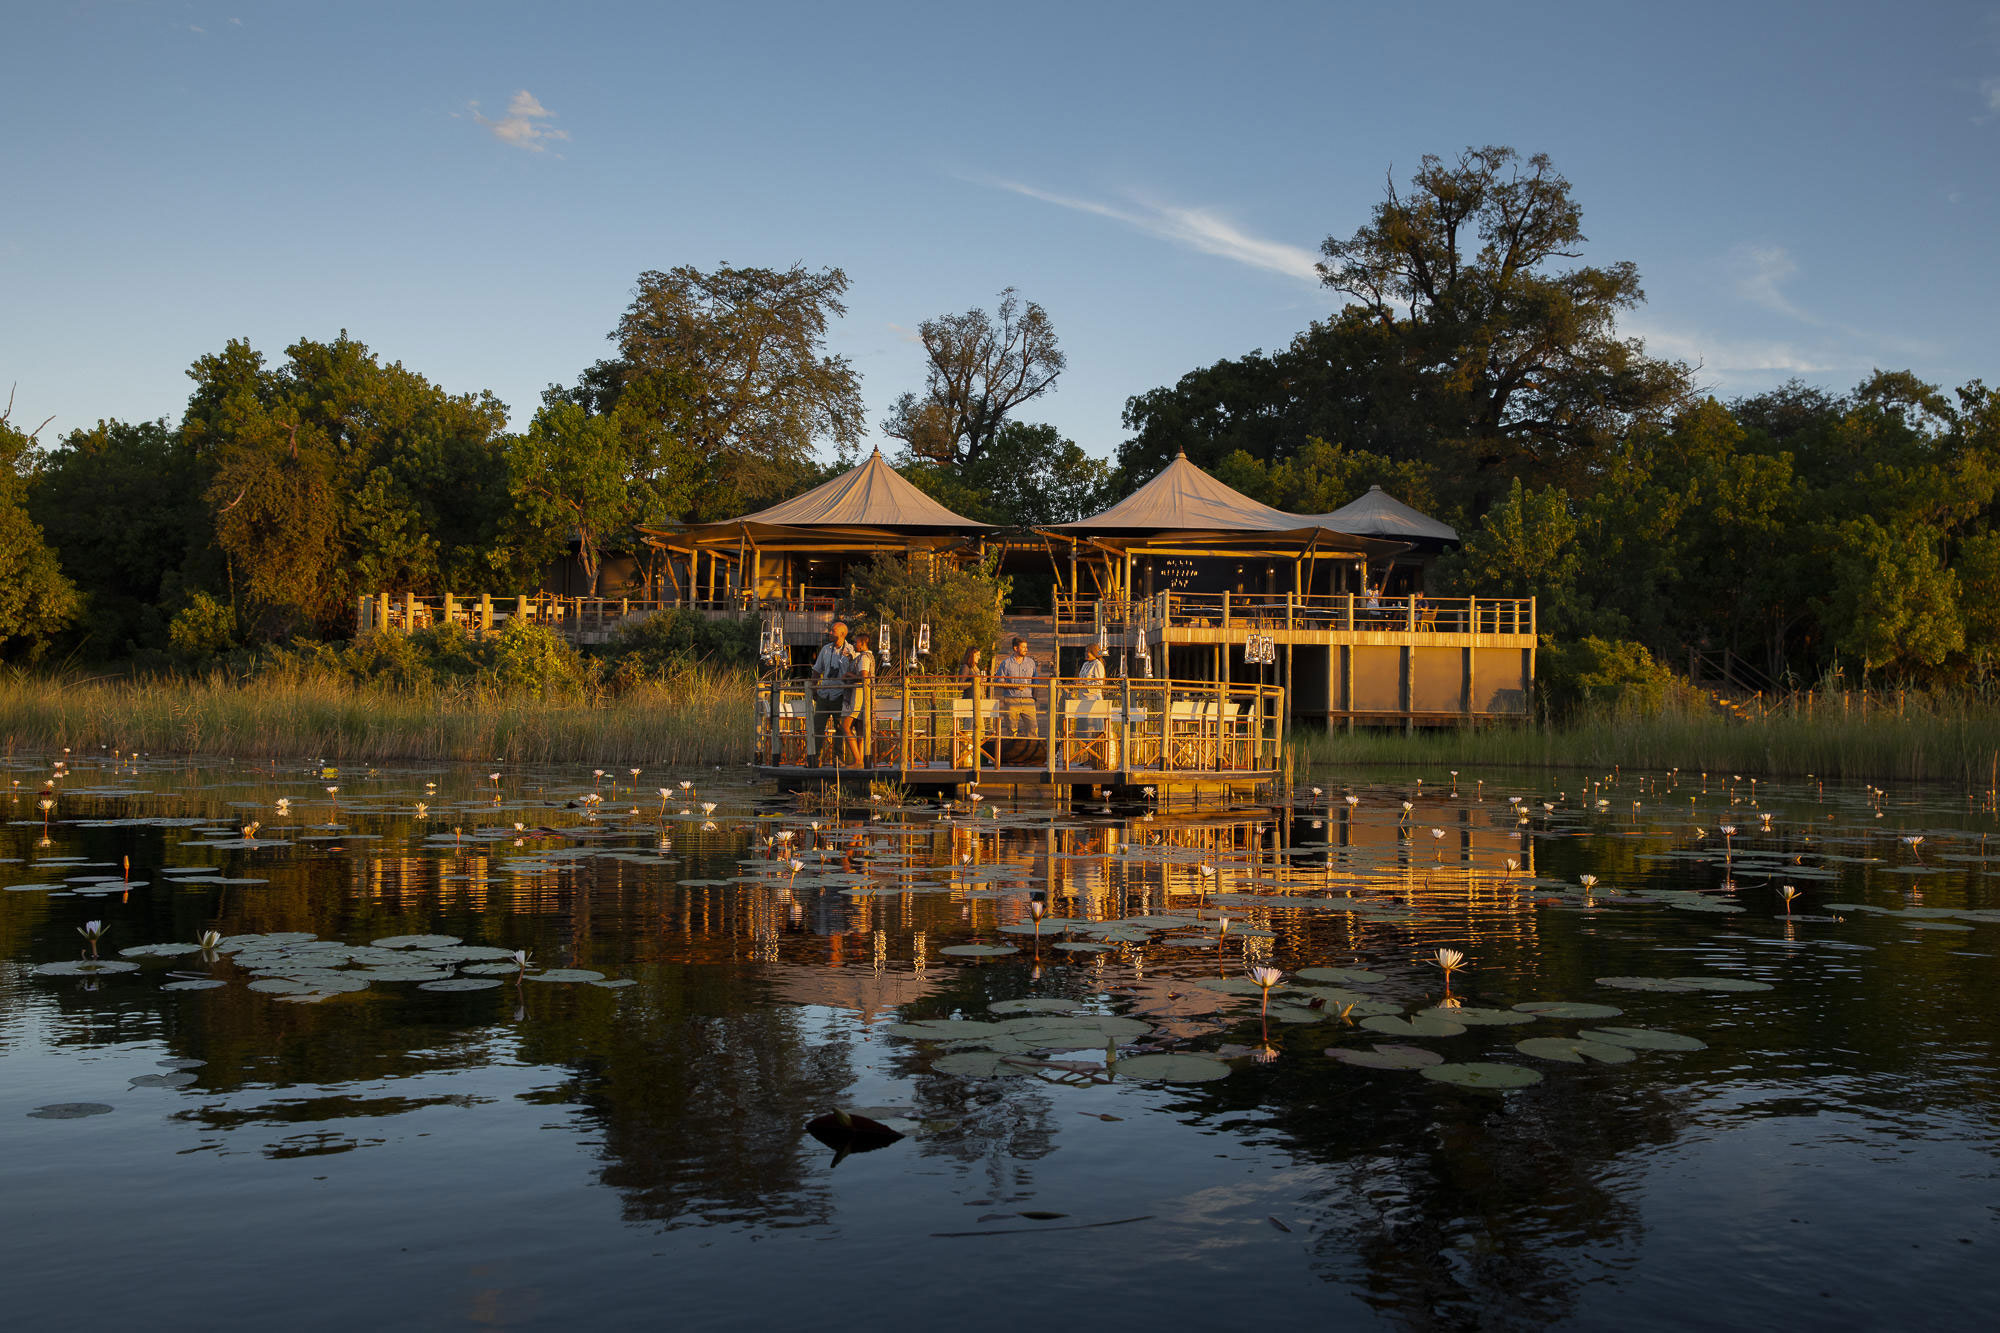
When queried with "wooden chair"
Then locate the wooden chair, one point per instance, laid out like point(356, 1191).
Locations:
point(1088, 739)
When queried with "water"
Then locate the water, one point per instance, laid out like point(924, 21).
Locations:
point(547, 1154)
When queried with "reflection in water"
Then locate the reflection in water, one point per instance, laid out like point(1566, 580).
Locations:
point(737, 973)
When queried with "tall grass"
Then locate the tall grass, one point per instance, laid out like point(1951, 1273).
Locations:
point(702, 718)
point(1947, 739)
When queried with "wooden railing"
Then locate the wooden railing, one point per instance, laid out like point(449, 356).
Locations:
point(942, 723)
point(480, 614)
point(1343, 612)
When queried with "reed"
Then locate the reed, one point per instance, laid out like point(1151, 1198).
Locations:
point(702, 718)
point(1949, 738)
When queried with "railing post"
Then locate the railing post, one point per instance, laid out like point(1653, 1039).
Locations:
point(904, 730)
point(1349, 626)
point(1472, 615)
point(1225, 609)
point(485, 613)
point(409, 612)
point(1410, 614)
point(1291, 609)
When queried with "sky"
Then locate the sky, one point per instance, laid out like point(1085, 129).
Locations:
point(1807, 190)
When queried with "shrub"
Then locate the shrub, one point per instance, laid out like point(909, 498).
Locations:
point(202, 630)
point(962, 607)
point(1616, 675)
point(674, 642)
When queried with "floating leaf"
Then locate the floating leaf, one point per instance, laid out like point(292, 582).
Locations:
point(618, 984)
point(1646, 984)
point(84, 967)
point(1475, 1017)
point(1568, 1009)
point(1721, 984)
point(1481, 1075)
point(1574, 1050)
point(1034, 1006)
point(943, 1029)
point(158, 950)
point(69, 1110)
point(566, 974)
point(1644, 1039)
point(978, 950)
point(1412, 1027)
point(195, 985)
point(460, 984)
point(977, 1064)
point(1386, 1057)
point(176, 1080)
point(1170, 1068)
point(415, 941)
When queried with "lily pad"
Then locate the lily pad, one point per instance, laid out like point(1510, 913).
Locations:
point(158, 950)
point(1170, 1068)
point(1574, 1050)
point(1086, 946)
point(69, 1110)
point(1386, 1057)
point(618, 983)
point(944, 1029)
point(204, 984)
point(977, 1064)
point(1568, 1009)
point(1412, 1027)
point(415, 941)
point(1478, 1074)
point(84, 967)
point(178, 1079)
point(1722, 984)
point(1646, 984)
point(566, 974)
point(978, 950)
point(1034, 1006)
point(460, 984)
point(1472, 1016)
point(1644, 1039)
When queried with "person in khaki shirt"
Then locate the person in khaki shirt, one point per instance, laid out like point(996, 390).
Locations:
point(860, 702)
point(1014, 678)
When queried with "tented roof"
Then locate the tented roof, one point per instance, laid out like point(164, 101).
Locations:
point(1379, 514)
point(1183, 498)
point(872, 495)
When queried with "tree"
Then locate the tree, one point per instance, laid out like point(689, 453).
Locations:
point(1461, 345)
point(735, 366)
point(36, 600)
point(122, 504)
point(334, 474)
point(1029, 476)
point(979, 370)
point(568, 472)
point(1891, 604)
point(1525, 547)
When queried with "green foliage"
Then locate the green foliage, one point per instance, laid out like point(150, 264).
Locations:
point(671, 643)
point(202, 630)
point(1612, 674)
point(1023, 476)
point(1526, 546)
point(962, 607)
point(522, 660)
point(36, 599)
point(1892, 603)
point(1322, 477)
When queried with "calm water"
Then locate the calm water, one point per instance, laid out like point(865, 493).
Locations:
point(349, 1144)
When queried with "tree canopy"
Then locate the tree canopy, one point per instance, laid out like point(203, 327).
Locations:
point(978, 369)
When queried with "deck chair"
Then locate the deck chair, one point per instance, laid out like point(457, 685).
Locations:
point(793, 735)
point(1088, 739)
point(1187, 735)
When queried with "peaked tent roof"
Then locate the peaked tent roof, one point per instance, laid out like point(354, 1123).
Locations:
point(1380, 514)
point(872, 495)
point(1183, 498)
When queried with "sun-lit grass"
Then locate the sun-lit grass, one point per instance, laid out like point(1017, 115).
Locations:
point(1947, 739)
point(704, 718)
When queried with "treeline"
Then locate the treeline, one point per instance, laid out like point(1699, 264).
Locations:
point(1473, 367)
point(288, 489)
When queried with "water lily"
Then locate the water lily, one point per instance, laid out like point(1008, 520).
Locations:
point(520, 959)
point(1450, 960)
point(209, 940)
point(1788, 893)
point(708, 807)
point(1513, 864)
point(1266, 977)
point(686, 785)
point(422, 809)
point(1588, 881)
point(92, 931)
point(1354, 800)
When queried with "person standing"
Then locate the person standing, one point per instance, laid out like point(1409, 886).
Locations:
point(860, 704)
point(1017, 696)
point(828, 680)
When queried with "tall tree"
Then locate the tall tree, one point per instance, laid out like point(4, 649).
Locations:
point(1028, 475)
point(980, 368)
point(36, 599)
point(736, 364)
point(1463, 344)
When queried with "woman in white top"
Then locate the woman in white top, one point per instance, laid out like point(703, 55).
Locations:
point(860, 701)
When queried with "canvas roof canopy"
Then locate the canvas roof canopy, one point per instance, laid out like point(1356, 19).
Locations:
point(1380, 514)
point(1186, 507)
point(867, 502)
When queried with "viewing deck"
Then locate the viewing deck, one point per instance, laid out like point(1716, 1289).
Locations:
point(940, 731)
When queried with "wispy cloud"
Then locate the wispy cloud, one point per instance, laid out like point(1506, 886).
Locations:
point(1732, 360)
point(1767, 267)
point(524, 124)
point(1198, 229)
point(1990, 90)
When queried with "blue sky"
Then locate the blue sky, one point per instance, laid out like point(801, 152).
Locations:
point(1807, 190)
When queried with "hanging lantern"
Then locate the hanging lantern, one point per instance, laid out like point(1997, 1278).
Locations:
point(884, 637)
point(924, 639)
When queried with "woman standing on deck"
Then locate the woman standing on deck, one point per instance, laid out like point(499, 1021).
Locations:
point(969, 671)
point(860, 680)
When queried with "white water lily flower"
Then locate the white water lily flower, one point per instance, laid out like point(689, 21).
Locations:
point(520, 959)
point(1354, 800)
point(91, 930)
point(708, 807)
point(1450, 960)
point(1588, 881)
point(1266, 977)
point(209, 939)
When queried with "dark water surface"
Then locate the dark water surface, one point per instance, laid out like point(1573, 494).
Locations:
point(356, 1150)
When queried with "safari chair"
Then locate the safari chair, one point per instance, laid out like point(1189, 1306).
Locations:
point(1188, 734)
point(962, 730)
point(792, 738)
point(1087, 738)
point(886, 747)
